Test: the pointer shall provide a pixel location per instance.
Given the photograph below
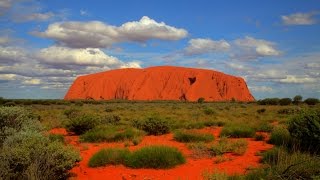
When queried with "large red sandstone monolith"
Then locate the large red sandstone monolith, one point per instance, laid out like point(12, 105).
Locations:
point(160, 83)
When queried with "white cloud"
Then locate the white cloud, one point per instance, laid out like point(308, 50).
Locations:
point(261, 88)
point(299, 19)
point(7, 77)
point(298, 79)
point(84, 12)
point(68, 56)
point(34, 17)
point(202, 46)
point(9, 55)
point(96, 34)
point(259, 47)
point(32, 81)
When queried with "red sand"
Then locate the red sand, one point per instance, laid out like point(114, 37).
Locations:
point(192, 169)
point(160, 83)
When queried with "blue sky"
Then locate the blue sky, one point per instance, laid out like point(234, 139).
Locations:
point(273, 45)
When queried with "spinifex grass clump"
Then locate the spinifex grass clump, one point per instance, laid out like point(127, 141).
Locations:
point(237, 131)
point(192, 136)
point(225, 145)
point(157, 157)
point(110, 156)
point(280, 136)
point(110, 134)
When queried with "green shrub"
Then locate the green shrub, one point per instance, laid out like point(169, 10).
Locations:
point(224, 145)
point(264, 127)
point(111, 119)
point(289, 165)
point(305, 128)
point(201, 100)
point(9, 104)
point(269, 101)
point(288, 111)
point(237, 131)
point(209, 111)
point(158, 157)
point(192, 136)
point(72, 113)
point(285, 101)
point(30, 155)
point(110, 156)
point(56, 137)
point(81, 124)
point(110, 134)
point(259, 137)
point(153, 125)
point(15, 119)
point(280, 136)
point(260, 111)
point(311, 101)
point(108, 109)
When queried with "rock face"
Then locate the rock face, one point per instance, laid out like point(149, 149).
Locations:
point(160, 83)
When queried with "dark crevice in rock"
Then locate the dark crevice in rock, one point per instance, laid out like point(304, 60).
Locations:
point(192, 80)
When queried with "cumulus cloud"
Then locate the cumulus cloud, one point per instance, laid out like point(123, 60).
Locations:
point(299, 19)
point(202, 46)
point(261, 88)
point(68, 56)
point(7, 77)
point(298, 79)
point(96, 34)
point(32, 81)
point(10, 55)
point(260, 47)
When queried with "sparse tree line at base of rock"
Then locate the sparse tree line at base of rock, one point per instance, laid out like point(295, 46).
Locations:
point(267, 101)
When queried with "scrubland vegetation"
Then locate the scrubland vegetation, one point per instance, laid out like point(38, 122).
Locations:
point(27, 151)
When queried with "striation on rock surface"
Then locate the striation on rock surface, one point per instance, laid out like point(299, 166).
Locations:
point(160, 83)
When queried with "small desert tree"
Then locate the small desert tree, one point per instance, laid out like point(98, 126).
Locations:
point(297, 99)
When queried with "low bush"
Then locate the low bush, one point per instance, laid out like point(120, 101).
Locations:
point(157, 157)
point(110, 134)
point(224, 145)
point(111, 119)
point(209, 111)
point(30, 155)
point(260, 111)
point(305, 128)
point(201, 100)
point(56, 137)
point(288, 111)
point(259, 137)
point(264, 127)
point(15, 119)
point(199, 150)
point(81, 124)
point(311, 101)
point(289, 165)
point(280, 136)
point(237, 131)
point(153, 125)
point(110, 156)
point(269, 101)
point(192, 136)
point(285, 101)
point(72, 113)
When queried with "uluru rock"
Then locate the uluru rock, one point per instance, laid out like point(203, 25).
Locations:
point(160, 83)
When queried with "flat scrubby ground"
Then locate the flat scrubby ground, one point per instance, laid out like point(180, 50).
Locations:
point(236, 121)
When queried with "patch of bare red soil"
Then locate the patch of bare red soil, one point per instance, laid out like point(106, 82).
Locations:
point(192, 169)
